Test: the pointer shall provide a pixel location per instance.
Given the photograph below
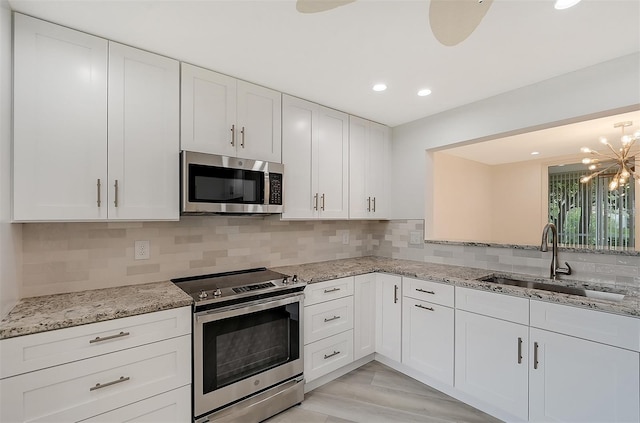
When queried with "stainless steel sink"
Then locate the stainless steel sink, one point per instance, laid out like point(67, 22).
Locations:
point(589, 293)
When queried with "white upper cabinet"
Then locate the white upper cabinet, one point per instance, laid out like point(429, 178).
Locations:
point(60, 122)
point(315, 144)
point(65, 165)
point(143, 148)
point(225, 116)
point(368, 169)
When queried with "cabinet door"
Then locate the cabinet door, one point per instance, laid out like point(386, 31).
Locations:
point(208, 106)
point(364, 325)
point(378, 169)
point(333, 164)
point(582, 381)
point(144, 139)
point(60, 123)
point(359, 198)
point(259, 122)
point(427, 338)
point(490, 361)
point(389, 316)
point(299, 135)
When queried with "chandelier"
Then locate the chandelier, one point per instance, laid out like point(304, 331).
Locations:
point(621, 161)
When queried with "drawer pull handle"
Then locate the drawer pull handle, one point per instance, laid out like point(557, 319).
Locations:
point(535, 355)
point(106, 338)
point(331, 319)
point(424, 308)
point(104, 385)
point(327, 291)
point(519, 350)
point(331, 355)
point(425, 291)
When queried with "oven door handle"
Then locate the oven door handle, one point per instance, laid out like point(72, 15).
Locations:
point(246, 308)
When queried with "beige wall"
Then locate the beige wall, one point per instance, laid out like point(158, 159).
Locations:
point(462, 200)
point(10, 236)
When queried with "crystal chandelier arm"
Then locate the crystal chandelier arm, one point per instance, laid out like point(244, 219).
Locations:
point(616, 157)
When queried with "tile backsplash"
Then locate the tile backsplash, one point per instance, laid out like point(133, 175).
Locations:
point(64, 257)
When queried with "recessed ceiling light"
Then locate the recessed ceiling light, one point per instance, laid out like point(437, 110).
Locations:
point(535, 153)
point(379, 87)
point(565, 4)
point(424, 92)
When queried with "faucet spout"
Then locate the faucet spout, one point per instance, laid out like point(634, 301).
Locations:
point(554, 269)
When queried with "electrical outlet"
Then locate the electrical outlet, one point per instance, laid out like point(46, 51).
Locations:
point(141, 250)
point(345, 237)
point(415, 237)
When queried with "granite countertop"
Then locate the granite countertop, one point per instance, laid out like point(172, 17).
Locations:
point(49, 312)
point(464, 277)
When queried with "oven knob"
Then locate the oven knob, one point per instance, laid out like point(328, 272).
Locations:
point(203, 295)
point(285, 280)
point(295, 279)
point(217, 292)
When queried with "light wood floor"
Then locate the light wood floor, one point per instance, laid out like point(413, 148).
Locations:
point(376, 393)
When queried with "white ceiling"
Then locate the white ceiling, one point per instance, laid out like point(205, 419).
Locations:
point(334, 57)
point(551, 143)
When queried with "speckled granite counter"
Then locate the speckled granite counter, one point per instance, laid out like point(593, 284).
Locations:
point(462, 276)
point(40, 314)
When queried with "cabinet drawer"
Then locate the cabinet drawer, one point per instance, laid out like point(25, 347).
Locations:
point(169, 407)
point(328, 318)
point(500, 306)
point(327, 355)
point(328, 290)
point(433, 292)
point(607, 328)
point(33, 352)
point(86, 388)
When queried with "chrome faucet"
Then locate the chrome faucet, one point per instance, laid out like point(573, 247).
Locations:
point(555, 270)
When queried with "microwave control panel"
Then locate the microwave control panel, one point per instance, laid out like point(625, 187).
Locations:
point(275, 188)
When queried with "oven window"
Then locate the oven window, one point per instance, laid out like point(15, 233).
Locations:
point(242, 346)
point(211, 184)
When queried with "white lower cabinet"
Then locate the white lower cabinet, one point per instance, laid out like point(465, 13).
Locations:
point(86, 385)
point(490, 361)
point(389, 316)
point(427, 338)
point(575, 380)
point(364, 321)
point(328, 327)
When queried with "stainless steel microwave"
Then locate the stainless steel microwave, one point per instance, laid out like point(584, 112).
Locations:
point(212, 184)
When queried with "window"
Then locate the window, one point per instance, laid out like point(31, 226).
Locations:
point(590, 215)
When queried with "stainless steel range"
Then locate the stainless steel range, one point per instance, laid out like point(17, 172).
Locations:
point(247, 344)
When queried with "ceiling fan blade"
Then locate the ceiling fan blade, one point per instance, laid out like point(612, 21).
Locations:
point(315, 6)
point(452, 21)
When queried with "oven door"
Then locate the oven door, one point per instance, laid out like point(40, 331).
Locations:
point(246, 348)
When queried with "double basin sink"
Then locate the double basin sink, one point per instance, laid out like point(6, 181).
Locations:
point(582, 292)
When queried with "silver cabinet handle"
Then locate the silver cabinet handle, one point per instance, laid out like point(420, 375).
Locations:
point(331, 319)
point(242, 142)
point(425, 291)
point(395, 294)
point(99, 202)
point(315, 201)
point(106, 338)
point(115, 199)
point(104, 385)
point(519, 350)
point(368, 204)
point(322, 208)
point(424, 308)
point(326, 291)
point(535, 355)
point(233, 135)
point(374, 204)
point(331, 355)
